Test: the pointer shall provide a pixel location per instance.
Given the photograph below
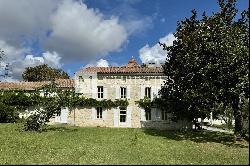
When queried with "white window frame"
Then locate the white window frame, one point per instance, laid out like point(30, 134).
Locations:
point(123, 92)
point(148, 92)
point(100, 92)
point(123, 109)
point(99, 112)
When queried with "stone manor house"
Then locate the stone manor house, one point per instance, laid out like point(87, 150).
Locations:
point(131, 82)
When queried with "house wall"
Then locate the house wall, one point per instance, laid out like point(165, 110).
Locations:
point(87, 117)
point(87, 84)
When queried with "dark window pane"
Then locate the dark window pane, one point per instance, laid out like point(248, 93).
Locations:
point(99, 112)
point(148, 115)
point(122, 112)
point(122, 118)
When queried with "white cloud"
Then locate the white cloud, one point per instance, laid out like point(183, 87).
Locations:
point(24, 18)
point(17, 61)
point(99, 63)
point(11, 52)
point(76, 32)
point(156, 54)
point(102, 63)
point(133, 21)
point(81, 33)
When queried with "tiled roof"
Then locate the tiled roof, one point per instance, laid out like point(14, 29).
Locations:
point(132, 67)
point(125, 69)
point(65, 83)
point(62, 83)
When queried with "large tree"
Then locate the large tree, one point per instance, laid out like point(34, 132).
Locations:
point(208, 64)
point(43, 73)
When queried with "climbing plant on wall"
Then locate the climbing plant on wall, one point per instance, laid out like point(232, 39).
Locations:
point(50, 103)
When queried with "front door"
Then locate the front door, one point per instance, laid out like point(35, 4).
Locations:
point(64, 114)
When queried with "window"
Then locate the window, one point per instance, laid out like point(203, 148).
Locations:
point(100, 92)
point(164, 115)
point(99, 112)
point(123, 114)
point(123, 92)
point(148, 92)
point(148, 114)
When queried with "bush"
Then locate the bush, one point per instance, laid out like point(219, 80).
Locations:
point(34, 122)
point(8, 114)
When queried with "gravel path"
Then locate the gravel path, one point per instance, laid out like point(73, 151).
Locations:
point(216, 129)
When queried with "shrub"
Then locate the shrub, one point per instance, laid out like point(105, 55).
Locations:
point(8, 114)
point(34, 122)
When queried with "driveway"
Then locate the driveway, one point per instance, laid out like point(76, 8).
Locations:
point(216, 129)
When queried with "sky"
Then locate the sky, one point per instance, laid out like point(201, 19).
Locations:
point(71, 34)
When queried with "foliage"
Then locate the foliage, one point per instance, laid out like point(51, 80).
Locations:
point(63, 145)
point(145, 103)
point(43, 73)
point(8, 114)
point(50, 104)
point(1, 54)
point(208, 64)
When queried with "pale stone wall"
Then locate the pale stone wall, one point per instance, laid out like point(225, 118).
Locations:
point(87, 85)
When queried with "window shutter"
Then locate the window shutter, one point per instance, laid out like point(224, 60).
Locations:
point(116, 117)
point(117, 92)
point(143, 115)
point(128, 92)
point(129, 116)
point(94, 92)
point(64, 114)
point(104, 113)
point(105, 93)
point(93, 112)
point(152, 92)
point(142, 91)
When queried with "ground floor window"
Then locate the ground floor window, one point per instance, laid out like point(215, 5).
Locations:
point(163, 115)
point(123, 114)
point(99, 112)
point(148, 114)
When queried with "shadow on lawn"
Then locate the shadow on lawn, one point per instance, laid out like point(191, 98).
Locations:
point(61, 128)
point(198, 136)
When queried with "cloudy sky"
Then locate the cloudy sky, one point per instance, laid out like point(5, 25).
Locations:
point(71, 34)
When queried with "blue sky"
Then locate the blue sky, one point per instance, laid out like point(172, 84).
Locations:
point(53, 35)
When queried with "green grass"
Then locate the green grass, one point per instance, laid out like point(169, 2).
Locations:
point(76, 145)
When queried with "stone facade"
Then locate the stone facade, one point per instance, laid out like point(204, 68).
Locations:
point(110, 80)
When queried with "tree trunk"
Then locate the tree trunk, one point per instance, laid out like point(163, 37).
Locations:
point(238, 118)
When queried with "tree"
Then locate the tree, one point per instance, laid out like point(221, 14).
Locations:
point(208, 64)
point(43, 73)
point(1, 54)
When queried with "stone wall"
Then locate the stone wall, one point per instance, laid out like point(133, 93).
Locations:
point(135, 84)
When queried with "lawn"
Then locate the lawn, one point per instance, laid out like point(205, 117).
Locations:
point(76, 145)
